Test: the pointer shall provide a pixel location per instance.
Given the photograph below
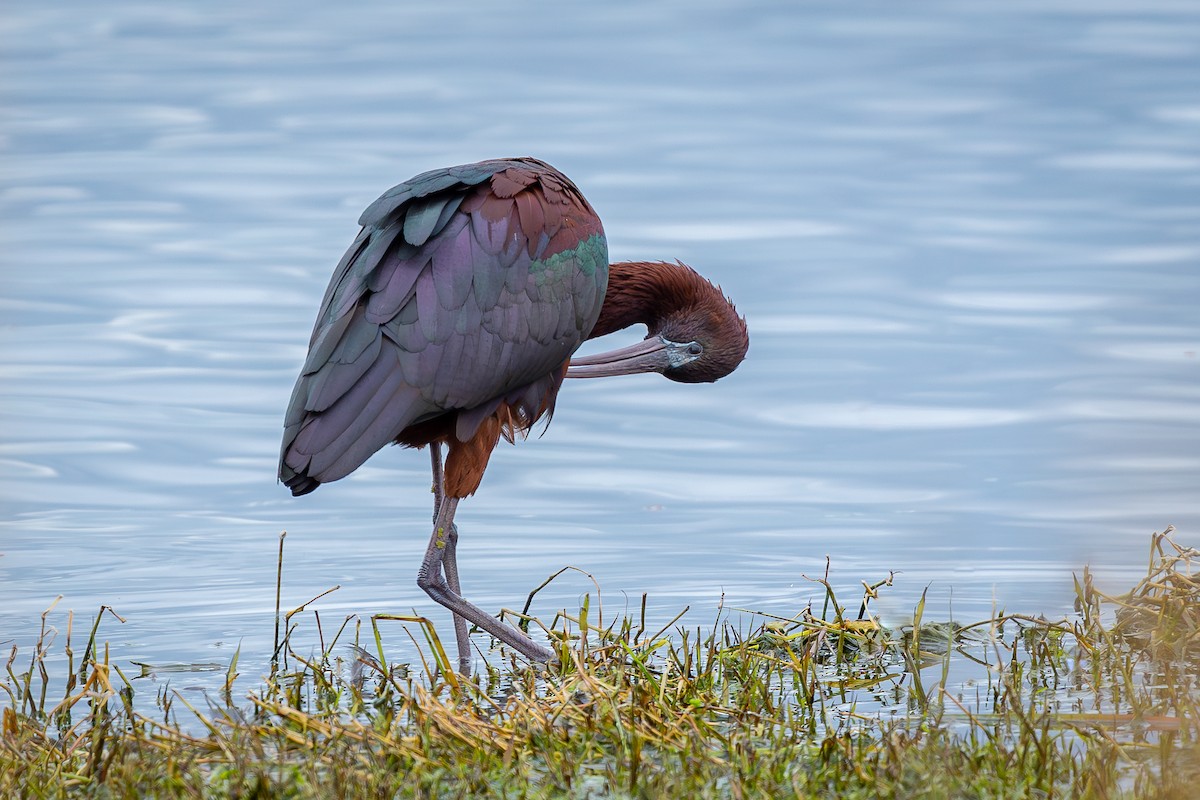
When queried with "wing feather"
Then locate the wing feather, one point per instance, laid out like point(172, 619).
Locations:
point(349, 453)
point(453, 283)
point(486, 280)
point(394, 293)
point(529, 207)
point(351, 417)
point(436, 324)
point(325, 341)
point(422, 218)
point(336, 378)
point(448, 213)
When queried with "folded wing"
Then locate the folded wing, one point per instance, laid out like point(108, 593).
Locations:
point(467, 288)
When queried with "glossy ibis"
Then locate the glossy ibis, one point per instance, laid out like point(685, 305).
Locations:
point(452, 319)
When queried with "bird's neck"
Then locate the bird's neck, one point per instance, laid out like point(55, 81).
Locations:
point(644, 292)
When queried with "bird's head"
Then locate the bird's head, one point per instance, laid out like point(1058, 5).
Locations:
point(695, 337)
point(704, 343)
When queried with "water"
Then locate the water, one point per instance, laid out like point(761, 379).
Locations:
point(966, 238)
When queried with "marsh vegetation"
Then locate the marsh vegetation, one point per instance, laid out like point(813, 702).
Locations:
point(1103, 703)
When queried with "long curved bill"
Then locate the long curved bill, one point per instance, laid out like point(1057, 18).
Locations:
point(649, 355)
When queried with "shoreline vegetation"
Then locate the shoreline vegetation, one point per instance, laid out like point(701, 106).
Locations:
point(829, 703)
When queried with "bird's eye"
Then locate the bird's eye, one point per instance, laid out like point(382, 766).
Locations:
point(695, 349)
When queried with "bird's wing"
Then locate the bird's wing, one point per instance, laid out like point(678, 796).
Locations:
point(466, 287)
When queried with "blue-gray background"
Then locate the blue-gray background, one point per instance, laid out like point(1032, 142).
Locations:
point(966, 237)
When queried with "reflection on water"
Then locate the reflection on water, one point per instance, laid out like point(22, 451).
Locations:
point(967, 240)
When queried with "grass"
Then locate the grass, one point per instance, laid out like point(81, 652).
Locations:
point(827, 703)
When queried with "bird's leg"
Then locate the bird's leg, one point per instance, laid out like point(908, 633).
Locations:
point(462, 638)
point(430, 579)
point(439, 478)
point(450, 566)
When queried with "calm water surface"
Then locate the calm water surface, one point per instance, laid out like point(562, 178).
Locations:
point(966, 238)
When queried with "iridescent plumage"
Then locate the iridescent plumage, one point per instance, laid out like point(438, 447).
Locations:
point(466, 291)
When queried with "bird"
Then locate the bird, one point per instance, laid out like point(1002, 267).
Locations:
point(452, 320)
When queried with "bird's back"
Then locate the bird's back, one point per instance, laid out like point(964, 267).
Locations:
point(465, 294)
